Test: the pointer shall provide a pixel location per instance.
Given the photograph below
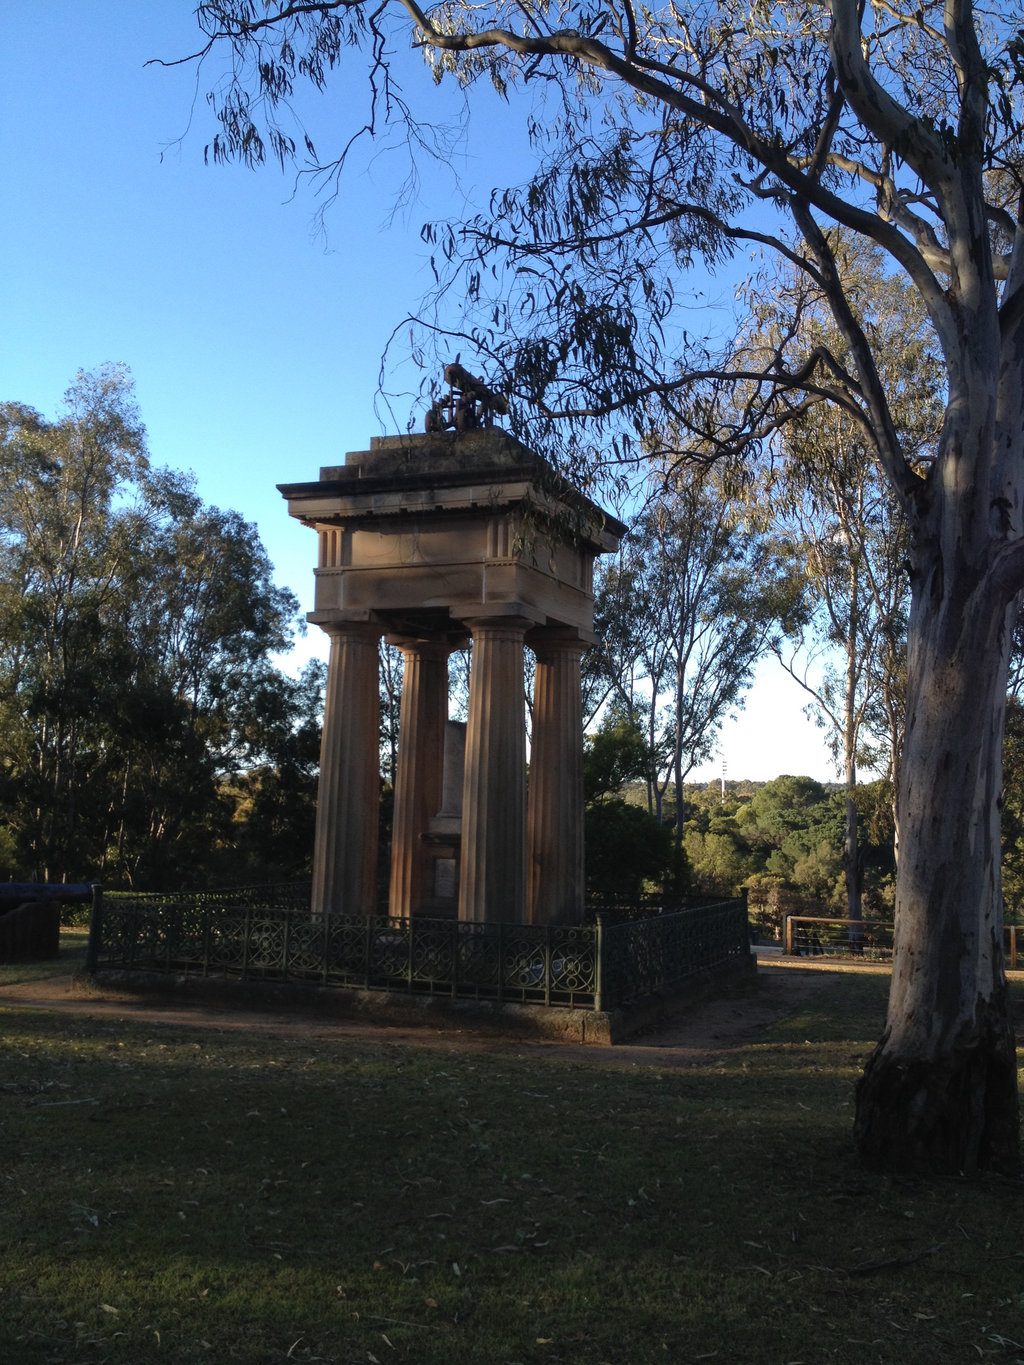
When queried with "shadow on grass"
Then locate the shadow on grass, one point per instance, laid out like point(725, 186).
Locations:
point(73, 944)
point(183, 1194)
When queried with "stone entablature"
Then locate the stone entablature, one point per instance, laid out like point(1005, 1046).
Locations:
point(452, 523)
point(430, 540)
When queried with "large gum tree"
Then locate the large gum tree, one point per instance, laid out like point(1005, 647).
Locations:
point(666, 133)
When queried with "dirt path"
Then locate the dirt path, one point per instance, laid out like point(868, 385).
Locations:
point(707, 1032)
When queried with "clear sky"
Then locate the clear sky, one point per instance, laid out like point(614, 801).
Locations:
point(254, 339)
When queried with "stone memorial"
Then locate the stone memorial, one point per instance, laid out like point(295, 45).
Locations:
point(430, 541)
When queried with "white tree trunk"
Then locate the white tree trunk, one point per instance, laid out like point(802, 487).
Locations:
point(940, 1091)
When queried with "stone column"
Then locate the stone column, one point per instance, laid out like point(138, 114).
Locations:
point(554, 838)
point(493, 855)
point(348, 799)
point(420, 776)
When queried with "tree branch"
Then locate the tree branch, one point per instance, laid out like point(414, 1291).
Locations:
point(890, 123)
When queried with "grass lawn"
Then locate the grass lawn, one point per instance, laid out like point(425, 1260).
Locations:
point(180, 1193)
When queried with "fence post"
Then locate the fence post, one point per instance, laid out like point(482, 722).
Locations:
point(133, 932)
point(1013, 946)
point(598, 963)
point(287, 944)
point(453, 931)
point(167, 938)
point(789, 935)
point(246, 927)
point(547, 964)
point(501, 959)
point(92, 952)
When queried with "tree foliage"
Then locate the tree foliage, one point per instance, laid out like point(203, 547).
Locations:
point(614, 755)
point(136, 632)
point(628, 851)
point(683, 614)
point(828, 494)
point(785, 839)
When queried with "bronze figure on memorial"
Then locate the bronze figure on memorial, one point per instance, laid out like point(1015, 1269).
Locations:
point(468, 406)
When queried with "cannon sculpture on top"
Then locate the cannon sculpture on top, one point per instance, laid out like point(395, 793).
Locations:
point(468, 405)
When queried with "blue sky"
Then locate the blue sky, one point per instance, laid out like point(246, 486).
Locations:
point(255, 340)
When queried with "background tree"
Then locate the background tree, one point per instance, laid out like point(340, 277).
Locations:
point(613, 670)
point(391, 670)
point(684, 613)
point(615, 755)
point(901, 124)
point(783, 840)
point(720, 586)
point(830, 497)
point(274, 794)
point(721, 857)
point(628, 851)
point(65, 548)
point(135, 648)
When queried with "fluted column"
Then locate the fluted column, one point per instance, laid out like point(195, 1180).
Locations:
point(348, 799)
point(420, 775)
point(493, 855)
point(554, 838)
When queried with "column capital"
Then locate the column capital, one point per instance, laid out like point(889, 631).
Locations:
point(437, 646)
point(483, 615)
point(351, 623)
point(560, 637)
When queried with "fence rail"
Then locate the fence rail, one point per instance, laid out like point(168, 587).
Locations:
point(235, 935)
point(643, 956)
point(814, 936)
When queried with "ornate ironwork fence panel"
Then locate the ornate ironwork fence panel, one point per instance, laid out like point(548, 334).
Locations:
point(641, 957)
point(272, 896)
point(233, 935)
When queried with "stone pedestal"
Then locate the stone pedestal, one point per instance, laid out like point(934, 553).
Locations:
point(419, 780)
point(444, 833)
point(348, 799)
point(555, 812)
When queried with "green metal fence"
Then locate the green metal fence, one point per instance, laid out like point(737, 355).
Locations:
point(644, 956)
point(245, 935)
